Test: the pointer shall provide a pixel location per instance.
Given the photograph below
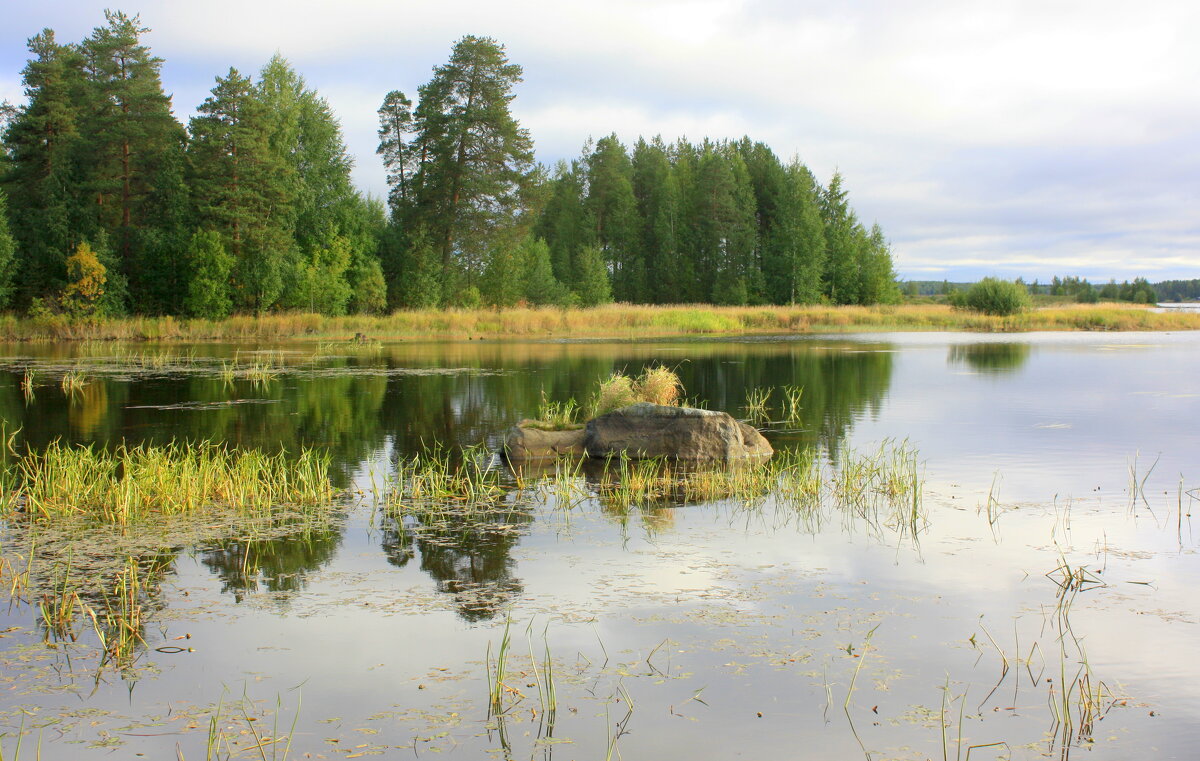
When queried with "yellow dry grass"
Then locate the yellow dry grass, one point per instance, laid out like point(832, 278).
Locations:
point(611, 321)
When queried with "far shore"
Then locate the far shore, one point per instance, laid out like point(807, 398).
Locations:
point(614, 321)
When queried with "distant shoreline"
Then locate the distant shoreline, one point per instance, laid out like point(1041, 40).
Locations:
point(617, 321)
point(614, 321)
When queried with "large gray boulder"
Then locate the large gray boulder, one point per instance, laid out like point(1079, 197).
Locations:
point(644, 431)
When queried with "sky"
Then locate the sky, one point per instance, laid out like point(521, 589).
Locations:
point(1010, 138)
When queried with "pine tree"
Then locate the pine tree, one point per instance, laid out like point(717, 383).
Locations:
point(399, 159)
point(130, 132)
point(473, 158)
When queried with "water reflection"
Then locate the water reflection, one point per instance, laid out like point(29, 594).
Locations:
point(993, 358)
point(279, 564)
point(469, 558)
point(355, 403)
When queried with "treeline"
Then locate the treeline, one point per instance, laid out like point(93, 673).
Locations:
point(110, 205)
point(114, 206)
point(719, 222)
point(1140, 291)
point(1178, 290)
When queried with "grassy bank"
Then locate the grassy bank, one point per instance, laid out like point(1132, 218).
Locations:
point(613, 321)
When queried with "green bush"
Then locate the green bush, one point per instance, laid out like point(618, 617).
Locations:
point(999, 297)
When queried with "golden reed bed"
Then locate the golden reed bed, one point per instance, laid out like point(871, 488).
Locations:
point(612, 321)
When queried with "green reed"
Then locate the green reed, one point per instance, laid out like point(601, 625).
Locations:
point(791, 404)
point(557, 416)
point(72, 382)
point(756, 404)
point(135, 482)
point(434, 481)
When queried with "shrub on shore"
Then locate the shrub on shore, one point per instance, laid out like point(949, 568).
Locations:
point(997, 297)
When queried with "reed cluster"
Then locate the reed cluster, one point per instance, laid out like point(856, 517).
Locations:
point(436, 482)
point(135, 482)
point(614, 320)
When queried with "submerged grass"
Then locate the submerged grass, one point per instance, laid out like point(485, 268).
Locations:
point(131, 483)
point(614, 320)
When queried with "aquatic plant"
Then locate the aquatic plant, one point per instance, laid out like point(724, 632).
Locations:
point(131, 483)
point(72, 382)
point(791, 404)
point(557, 416)
point(756, 404)
point(436, 481)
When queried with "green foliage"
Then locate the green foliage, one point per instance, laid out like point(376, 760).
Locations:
point(239, 183)
point(322, 286)
point(211, 267)
point(8, 255)
point(591, 283)
point(95, 154)
point(502, 284)
point(997, 297)
point(418, 282)
point(537, 274)
point(459, 163)
point(368, 291)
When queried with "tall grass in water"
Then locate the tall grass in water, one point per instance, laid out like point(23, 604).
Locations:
point(756, 405)
point(131, 483)
point(434, 481)
point(557, 416)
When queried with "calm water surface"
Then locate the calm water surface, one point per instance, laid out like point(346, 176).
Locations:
point(714, 630)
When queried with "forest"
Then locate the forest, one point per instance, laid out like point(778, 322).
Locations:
point(109, 205)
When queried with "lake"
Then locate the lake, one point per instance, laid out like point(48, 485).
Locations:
point(1042, 605)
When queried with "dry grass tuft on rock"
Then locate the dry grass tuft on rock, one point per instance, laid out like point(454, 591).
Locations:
point(657, 385)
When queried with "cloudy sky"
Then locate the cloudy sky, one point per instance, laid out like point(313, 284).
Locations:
point(1006, 137)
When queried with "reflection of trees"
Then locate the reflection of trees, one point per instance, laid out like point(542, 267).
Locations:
point(278, 564)
point(468, 556)
point(414, 395)
point(994, 358)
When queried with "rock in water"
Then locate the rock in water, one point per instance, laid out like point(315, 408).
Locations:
point(644, 431)
point(526, 441)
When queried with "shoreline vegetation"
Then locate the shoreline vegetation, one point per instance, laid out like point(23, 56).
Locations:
point(613, 321)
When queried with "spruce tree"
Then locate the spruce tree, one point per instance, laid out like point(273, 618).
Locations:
point(613, 214)
point(841, 250)
point(8, 255)
point(240, 186)
point(208, 287)
point(657, 194)
point(564, 223)
point(591, 284)
point(42, 178)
